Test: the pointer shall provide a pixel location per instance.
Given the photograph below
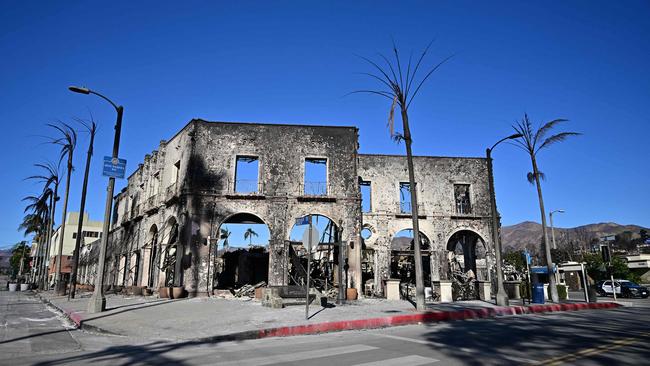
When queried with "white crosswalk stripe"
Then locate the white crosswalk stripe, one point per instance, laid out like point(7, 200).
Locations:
point(299, 356)
point(412, 360)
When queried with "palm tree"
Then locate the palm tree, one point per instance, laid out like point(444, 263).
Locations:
point(67, 142)
point(36, 223)
point(91, 126)
point(249, 234)
point(532, 141)
point(225, 234)
point(402, 88)
point(49, 179)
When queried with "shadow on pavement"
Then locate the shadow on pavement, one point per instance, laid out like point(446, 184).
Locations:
point(513, 340)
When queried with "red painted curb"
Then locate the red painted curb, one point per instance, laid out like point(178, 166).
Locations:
point(428, 317)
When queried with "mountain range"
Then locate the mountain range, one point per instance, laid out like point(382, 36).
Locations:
point(528, 234)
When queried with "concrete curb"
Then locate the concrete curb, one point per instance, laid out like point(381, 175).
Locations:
point(359, 324)
point(407, 319)
point(76, 318)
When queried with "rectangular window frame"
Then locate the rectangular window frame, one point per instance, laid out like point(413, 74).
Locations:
point(321, 188)
point(247, 182)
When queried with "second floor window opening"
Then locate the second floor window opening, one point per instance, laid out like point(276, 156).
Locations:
point(405, 197)
point(247, 174)
point(366, 191)
point(315, 178)
point(461, 196)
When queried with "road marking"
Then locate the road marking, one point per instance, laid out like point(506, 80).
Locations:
point(299, 356)
point(406, 339)
point(39, 320)
point(594, 350)
point(413, 360)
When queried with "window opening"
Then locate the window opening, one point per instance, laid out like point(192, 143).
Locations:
point(247, 174)
point(461, 195)
point(315, 178)
point(405, 197)
point(366, 191)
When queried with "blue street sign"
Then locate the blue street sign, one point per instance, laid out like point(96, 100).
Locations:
point(302, 220)
point(114, 167)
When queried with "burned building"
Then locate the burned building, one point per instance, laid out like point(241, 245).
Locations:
point(167, 221)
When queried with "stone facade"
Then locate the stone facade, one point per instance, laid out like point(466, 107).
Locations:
point(439, 215)
point(185, 190)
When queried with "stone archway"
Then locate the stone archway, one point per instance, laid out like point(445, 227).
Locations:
point(151, 258)
point(241, 254)
point(324, 258)
point(467, 263)
point(402, 260)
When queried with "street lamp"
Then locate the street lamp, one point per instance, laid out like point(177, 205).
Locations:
point(502, 297)
point(97, 302)
point(553, 231)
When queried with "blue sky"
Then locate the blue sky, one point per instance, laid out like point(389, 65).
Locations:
point(294, 62)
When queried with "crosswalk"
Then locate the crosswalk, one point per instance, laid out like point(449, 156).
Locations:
point(331, 354)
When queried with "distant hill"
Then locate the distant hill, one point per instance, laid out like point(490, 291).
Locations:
point(5, 254)
point(529, 234)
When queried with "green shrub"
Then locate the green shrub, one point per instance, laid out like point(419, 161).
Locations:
point(562, 292)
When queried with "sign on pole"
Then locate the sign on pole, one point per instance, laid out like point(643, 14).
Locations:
point(302, 220)
point(312, 234)
point(114, 167)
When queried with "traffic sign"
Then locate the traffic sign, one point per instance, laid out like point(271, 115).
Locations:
point(314, 239)
point(114, 167)
point(302, 220)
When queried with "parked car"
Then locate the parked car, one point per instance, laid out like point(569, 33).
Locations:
point(624, 288)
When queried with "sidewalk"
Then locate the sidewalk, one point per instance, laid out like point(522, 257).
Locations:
point(233, 319)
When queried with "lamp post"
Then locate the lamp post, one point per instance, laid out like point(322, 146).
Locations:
point(502, 297)
point(552, 230)
point(97, 302)
point(557, 274)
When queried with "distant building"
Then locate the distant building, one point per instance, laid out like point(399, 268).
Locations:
point(91, 231)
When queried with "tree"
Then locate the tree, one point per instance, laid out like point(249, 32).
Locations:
point(532, 141)
point(35, 222)
point(92, 129)
point(225, 234)
point(516, 259)
point(19, 258)
point(49, 179)
point(249, 234)
point(402, 87)
point(67, 142)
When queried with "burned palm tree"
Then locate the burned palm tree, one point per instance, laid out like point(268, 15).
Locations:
point(400, 85)
point(50, 180)
point(532, 141)
point(67, 141)
point(91, 127)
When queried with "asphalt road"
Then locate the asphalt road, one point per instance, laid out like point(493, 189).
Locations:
point(34, 335)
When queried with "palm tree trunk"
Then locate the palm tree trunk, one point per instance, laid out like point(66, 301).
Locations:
point(46, 267)
point(57, 278)
point(75, 258)
point(547, 248)
point(419, 282)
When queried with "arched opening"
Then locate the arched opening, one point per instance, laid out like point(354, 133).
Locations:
point(466, 254)
point(324, 254)
point(167, 257)
point(151, 259)
point(402, 264)
point(242, 252)
point(369, 261)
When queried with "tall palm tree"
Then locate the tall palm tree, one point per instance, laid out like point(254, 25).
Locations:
point(249, 234)
point(91, 126)
point(67, 143)
point(532, 141)
point(401, 87)
point(49, 179)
